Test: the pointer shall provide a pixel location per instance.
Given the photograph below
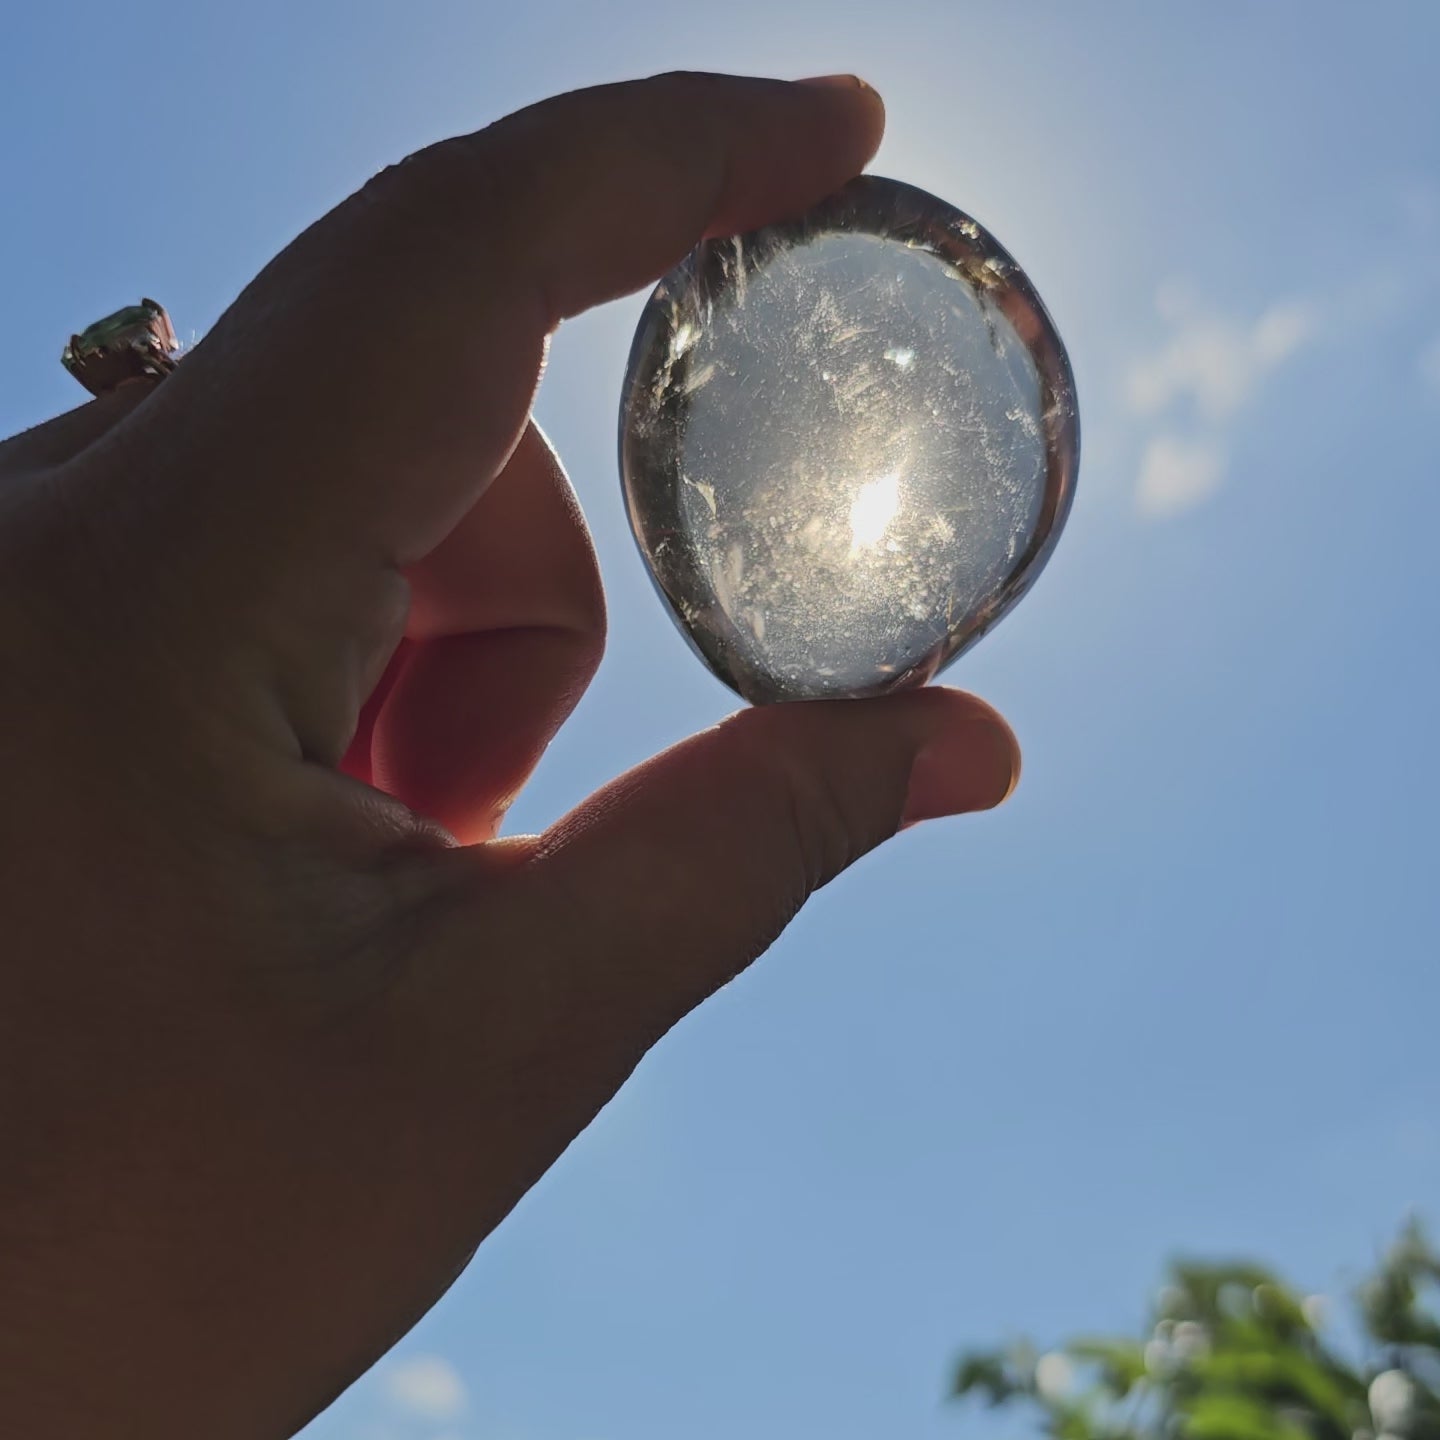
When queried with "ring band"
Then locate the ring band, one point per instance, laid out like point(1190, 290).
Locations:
point(135, 343)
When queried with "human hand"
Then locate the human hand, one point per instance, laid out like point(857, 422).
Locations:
point(286, 1030)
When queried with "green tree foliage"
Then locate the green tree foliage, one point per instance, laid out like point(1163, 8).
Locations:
point(1233, 1353)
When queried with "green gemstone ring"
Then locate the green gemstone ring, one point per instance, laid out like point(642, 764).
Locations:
point(135, 343)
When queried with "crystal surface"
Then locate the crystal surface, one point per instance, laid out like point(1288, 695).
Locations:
point(848, 444)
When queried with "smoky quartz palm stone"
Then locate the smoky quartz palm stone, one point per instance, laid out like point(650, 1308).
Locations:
point(848, 444)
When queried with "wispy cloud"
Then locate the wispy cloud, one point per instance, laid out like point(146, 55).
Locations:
point(427, 1387)
point(1176, 473)
point(1214, 362)
point(1212, 366)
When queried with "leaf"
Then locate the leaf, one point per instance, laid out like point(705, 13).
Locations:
point(1218, 1415)
point(1072, 1421)
point(988, 1373)
point(1218, 1291)
point(1391, 1301)
point(1121, 1363)
point(1287, 1376)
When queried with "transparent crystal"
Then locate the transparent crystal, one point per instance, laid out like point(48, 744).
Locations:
point(848, 444)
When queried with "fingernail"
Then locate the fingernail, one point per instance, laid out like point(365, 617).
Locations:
point(970, 767)
point(836, 82)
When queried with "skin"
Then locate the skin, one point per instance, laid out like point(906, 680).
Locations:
point(286, 1031)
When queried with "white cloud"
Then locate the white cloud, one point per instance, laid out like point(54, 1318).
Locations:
point(1213, 361)
point(1430, 365)
point(1176, 474)
point(1211, 368)
point(427, 1386)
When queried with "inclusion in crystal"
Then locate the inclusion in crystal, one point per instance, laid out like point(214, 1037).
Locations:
point(848, 444)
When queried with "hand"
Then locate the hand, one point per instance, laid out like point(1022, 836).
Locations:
point(286, 1032)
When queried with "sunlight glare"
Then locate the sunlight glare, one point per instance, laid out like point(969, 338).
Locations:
point(873, 510)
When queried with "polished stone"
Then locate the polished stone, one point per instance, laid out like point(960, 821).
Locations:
point(848, 444)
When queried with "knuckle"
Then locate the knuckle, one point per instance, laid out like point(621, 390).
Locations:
point(817, 815)
point(828, 830)
point(451, 190)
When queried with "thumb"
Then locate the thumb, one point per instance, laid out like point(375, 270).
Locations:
point(676, 876)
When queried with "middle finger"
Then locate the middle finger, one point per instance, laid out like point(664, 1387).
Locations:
point(507, 625)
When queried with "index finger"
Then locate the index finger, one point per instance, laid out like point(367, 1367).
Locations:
point(358, 397)
point(399, 340)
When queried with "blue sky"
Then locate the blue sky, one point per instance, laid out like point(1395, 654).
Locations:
point(1180, 993)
